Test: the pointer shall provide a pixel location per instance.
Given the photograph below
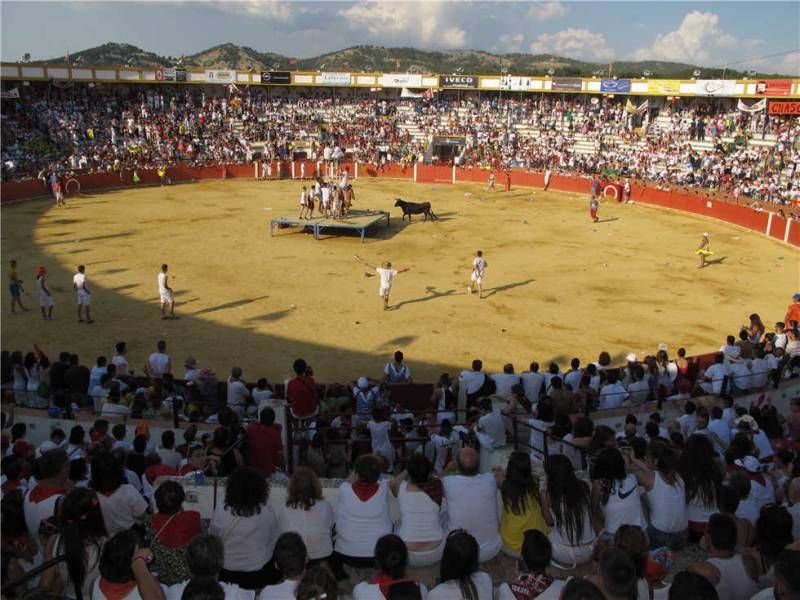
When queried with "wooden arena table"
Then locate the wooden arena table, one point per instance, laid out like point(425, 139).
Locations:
point(357, 220)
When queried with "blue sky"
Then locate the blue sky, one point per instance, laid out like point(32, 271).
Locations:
point(707, 33)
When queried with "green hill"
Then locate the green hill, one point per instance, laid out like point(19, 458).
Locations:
point(378, 58)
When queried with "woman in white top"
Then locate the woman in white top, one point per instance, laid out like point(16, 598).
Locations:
point(420, 498)
point(702, 478)
point(362, 516)
point(458, 572)
point(121, 504)
point(615, 493)
point(566, 507)
point(666, 496)
point(308, 514)
point(81, 541)
point(248, 528)
point(391, 558)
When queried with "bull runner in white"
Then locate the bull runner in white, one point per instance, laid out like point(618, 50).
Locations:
point(479, 266)
point(387, 275)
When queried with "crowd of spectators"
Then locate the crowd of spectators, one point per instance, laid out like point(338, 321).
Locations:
point(723, 476)
point(84, 129)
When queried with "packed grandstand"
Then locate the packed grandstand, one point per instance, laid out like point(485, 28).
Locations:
point(670, 476)
point(692, 142)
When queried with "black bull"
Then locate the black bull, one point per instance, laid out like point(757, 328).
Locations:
point(415, 208)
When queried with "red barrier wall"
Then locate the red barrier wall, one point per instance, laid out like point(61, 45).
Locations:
point(693, 203)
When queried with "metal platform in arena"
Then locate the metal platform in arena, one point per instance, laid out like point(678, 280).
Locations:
point(358, 220)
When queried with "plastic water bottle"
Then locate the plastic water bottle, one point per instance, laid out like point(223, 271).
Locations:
point(199, 478)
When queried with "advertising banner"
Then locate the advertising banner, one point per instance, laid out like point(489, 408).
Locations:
point(785, 107)
point(276, 77)
point(334, 79)
point(615, 86)
point(774, 87)
point(169, 74)
point(449, 140)
point(458, 81)
point(220, 76)
point(515, 83)
point(10, 94)
point(159, 74)
point(567, 84)
point(180, 74)
point(757, 106)
point(666, 87)
point(401, 80)
point(715, 87)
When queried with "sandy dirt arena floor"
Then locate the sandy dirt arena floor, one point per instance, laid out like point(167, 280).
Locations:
point(557, 285)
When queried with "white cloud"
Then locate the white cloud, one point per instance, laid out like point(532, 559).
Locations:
point(695, 40)
point(574, 43)
point(543, 11)
point(415, 22)
point(509, 43)
point(273, 10)
point(791, 64)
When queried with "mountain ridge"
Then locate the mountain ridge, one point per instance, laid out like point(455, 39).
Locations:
point(401, 59)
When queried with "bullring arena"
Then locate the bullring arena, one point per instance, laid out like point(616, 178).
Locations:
point(634, 225)
point(558, 285)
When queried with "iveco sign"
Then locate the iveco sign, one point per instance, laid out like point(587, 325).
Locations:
point(458, 81)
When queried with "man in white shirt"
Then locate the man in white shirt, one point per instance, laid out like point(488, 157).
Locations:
point(101, 391)
point(397, 371)
point(479, 265)
point(112, 407)
point(613, 394)
point(386, 274)
point(714, 376)
point(166, 294)
point(84, 296)
point(120, 361)
point(159, 362)
point(96, 373)
point(688, 420)
point(238, 394)
point(638, 389)
point(167, 450)
point(574, 376)
point(505, 381)
point(491, 423)
point(532, 382)
point(472, 504)
point(741, 375)
point(721, 430)
point(781, 339)
point(731, 351)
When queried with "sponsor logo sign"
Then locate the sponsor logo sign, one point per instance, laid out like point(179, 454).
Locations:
point(667, 87)
point(785, 107)
point(571, 84)
point(220, 76)
point(334, 78)
point(159, 74)
point(169, 74)
point(276, 77)
point(715, 87)
point(400, 80)
point(180, 74)
point(774, 87)
point(615, 86)
point(458, 81)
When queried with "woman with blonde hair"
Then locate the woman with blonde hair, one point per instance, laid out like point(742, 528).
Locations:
point(308, 514)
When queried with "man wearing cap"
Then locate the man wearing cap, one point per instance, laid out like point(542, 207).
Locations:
point(793, 312)
point(365, 398)
point(45, 297)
